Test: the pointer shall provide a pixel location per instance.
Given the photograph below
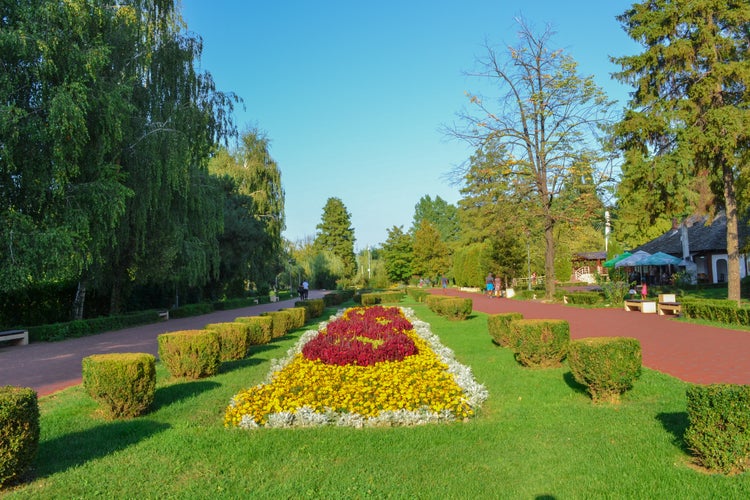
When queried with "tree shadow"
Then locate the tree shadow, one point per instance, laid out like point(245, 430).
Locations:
point(575, 386)
point(76, 448)
point(229, 366)
point(676, 423)
point(173, 393)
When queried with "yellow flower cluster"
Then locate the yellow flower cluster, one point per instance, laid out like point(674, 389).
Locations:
point(418, 381)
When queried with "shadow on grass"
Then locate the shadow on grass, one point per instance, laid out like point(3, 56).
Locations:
point(229, 366)
point(173, 393)
point(77, 448)
point(675, 423)
point(571, 382)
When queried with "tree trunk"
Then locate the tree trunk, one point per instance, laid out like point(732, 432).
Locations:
point(733, 254)
point(80, 299)
point(549, 261)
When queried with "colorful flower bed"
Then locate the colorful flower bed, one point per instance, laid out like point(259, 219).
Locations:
point(418, 381)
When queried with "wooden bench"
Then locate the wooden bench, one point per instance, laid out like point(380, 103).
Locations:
point(668, 305)
point(644, 306)
point(17, 337)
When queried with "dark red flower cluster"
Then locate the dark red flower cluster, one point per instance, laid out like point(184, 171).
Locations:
point(365, 337)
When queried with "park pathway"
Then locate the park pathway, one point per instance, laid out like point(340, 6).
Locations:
point(693, 353)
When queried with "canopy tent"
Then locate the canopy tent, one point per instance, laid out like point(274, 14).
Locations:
point(611, 262)
point(661, 259)
point(634, 260)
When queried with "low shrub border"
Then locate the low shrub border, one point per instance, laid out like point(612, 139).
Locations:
point(234, 339)
point(123, 384)
point(281, 323)
point(607, 366)
point(498, 326)
point(190, 353)
point(264, 332)
point(19, 431)
point(540, 342)
point(718, 431)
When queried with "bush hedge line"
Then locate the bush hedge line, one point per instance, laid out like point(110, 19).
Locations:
point(19, 432)
point(123, 384)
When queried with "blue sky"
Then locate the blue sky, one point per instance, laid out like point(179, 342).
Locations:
point(353, 95)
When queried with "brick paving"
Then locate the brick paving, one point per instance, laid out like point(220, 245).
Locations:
point(693, 353)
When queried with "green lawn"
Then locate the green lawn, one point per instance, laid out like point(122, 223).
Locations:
point(537, 435)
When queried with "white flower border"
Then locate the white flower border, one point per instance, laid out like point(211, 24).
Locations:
point(474, 392)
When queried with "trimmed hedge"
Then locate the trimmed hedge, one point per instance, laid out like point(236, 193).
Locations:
point(337, 297)
point(297, 315)
point(498, 326)
point(190, 353)
point(540, 342)
point(264, 331)
point(374, 298)
point(315, 307)
point(281, 323)
point(453, 308)
point(718, 431)
point(234, 339)
point(584, 298)
point(417, 294)
point(191, 310)
point(85, 327)
point(607, 366)
point(19, 432)
point(123, 384)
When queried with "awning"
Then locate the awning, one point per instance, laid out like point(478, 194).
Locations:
point(611, 262)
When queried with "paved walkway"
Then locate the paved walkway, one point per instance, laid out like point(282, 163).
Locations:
point(693, 353)
point(50, 366)
point(690, 352)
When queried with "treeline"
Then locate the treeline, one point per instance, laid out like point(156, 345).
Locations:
point(114, 192)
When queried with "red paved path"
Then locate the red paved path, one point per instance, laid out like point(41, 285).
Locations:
point(693, 353)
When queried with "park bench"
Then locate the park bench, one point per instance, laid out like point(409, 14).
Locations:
point(644, 306)
point(17, 337)
point(164, 315)
point(668, 305)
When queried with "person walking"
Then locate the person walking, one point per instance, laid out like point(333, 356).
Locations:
point(489, 284)
point(305, 289)
point(498, 286)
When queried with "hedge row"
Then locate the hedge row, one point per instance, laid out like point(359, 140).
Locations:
point(453, 308)
point(375, 298)
point(19, 432)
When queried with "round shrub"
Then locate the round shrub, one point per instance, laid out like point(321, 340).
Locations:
point(234, 339)
point(122, 383)
point(607, 366)
point(190, 353)
point(19, 431)
point(262, 332)
point(498, 326)
point(540, 342)
point(718, 432)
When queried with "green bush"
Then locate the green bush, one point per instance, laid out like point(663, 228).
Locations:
point(498, 326)
point(454, 308)
point(191, 310)
point(721, 311)
point(718, 431)
point(315, 307)
point(19, 432)
point(337, 297)
point(123, 384)
point(583, 298)
point(234, 339)
point(374, 298)
point(190, 353)
point(540, 342)
point(607, 366)
point(264, 331)
point(80, 328)
point(297, 315)
point(417, 294)
point(281, 323)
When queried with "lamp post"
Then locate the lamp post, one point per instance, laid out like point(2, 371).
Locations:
point(528, 259)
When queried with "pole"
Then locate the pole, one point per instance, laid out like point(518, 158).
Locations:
point(528, 261)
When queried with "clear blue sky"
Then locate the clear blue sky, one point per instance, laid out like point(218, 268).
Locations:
point(352, 95)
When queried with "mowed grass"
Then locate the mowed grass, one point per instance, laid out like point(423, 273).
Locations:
point(537, 435)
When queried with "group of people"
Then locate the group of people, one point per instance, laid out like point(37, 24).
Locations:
point(493, 286)
point(303, 290)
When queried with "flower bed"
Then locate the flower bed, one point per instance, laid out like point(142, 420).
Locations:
point(426, 385)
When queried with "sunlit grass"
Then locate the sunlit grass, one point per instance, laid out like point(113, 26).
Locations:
point(537, 434)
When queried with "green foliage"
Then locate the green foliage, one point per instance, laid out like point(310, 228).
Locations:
point(281, 323)
point(373, 298)
point(234, 339)
point(721, 311)
point(81, 328)
point(431, 256)
point(123, 384)
point(315, 307)
point(263, 332)
point(718, 432)
point(453, 308)
point(587, 298)
point(540, 343)
point(441, 214)
point(297, 315)
point(190, 354)
point(19, 432)
point(498, 326)
point(469, 266)
point(398, 253)
point(191, 310)
point(336, 235)
point(337, 297)
point(607, 366)
point(417, 294)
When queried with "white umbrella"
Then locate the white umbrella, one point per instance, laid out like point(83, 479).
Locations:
point(634, 260)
